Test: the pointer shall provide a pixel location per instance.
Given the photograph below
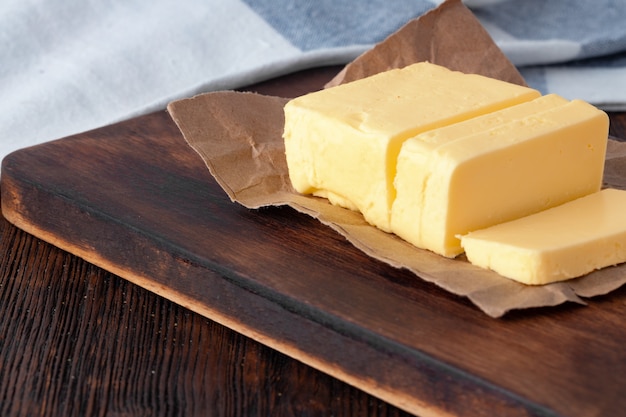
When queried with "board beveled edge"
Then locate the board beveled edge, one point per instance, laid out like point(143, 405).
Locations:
point(22, 206)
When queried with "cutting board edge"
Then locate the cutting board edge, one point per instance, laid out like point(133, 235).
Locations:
point(12, 200)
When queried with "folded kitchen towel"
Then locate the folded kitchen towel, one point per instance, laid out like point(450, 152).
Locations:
point(70, 66)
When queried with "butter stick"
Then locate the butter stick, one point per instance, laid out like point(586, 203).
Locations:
point(496, 168)
point(564, 242)
point(342, 143)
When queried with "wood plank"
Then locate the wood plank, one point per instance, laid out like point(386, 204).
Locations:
point(135, 200)
point(76, 340)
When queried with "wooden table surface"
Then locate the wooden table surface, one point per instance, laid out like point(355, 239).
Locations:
point(77, 340)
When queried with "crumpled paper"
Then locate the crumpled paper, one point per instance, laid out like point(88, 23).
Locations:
point(239, 137)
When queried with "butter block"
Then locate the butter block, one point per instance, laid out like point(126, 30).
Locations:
point(342, 143)
point(496, 168)
point(563, 242)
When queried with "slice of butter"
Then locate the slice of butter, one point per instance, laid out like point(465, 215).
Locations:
point(496, 168)
point(564, 242)
point(342, 143)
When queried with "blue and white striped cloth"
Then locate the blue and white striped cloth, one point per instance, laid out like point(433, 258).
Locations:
point(67, 66)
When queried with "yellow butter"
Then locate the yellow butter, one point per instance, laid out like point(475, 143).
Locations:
point(564, 242)
point(342, 143)
point(496, 168)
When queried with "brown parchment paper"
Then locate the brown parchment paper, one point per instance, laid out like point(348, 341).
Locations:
point(239, 137)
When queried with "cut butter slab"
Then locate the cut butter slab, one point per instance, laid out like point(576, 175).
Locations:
point(564, 242)
point(496, 168)
point(342, 143)
point(432, 154)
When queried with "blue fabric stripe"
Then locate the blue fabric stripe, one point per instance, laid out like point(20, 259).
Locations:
point(316, 24)
point(599, 27)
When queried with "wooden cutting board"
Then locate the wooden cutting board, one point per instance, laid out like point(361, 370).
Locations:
point(134, 199)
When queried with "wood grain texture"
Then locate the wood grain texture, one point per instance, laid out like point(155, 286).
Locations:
point(145, 207)
point(76, 340)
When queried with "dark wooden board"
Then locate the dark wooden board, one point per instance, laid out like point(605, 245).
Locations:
point(135, 200)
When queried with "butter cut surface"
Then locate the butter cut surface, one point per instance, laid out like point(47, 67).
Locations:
point(564, 242)
point(496, 168)
point(342, 143)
